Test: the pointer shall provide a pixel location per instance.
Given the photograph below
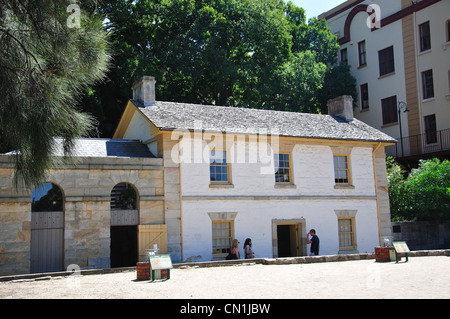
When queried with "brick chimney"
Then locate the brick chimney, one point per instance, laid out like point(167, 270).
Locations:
point(342, 107)
point(144, 90)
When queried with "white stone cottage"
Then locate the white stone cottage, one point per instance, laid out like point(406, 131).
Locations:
point(204, 175)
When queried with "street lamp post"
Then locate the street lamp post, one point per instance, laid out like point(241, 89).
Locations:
point(401, 106)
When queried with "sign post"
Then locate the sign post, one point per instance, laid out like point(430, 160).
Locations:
point(400, 247)
point(160, 262)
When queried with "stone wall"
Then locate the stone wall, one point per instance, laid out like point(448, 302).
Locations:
point(86, 187)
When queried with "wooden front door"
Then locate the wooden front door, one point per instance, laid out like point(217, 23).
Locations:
point(47, 242)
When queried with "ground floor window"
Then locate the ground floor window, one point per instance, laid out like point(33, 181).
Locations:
point(346, 233)
point(222, 235)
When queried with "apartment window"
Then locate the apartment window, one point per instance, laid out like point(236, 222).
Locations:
point(344, 56)
point(386, 61)
point(430, 129)
point(219, 169)
point(222, 235)
point(425, 36)
point(448, 31)
point(341, 169)
point(427, 84)
point(364, 96)
point(346, 233)
point(362, 53)
point(389, 110)
point(282, 168)
point(449, 81)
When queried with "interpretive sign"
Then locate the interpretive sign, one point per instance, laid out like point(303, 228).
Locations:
point(158, 262)
point(400, 247)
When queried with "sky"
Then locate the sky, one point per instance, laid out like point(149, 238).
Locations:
point(314, 8)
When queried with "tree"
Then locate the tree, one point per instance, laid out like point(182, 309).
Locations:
point(245, 53)
point(424, 194)
point(51, 52)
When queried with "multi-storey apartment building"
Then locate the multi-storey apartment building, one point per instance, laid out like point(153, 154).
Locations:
point(399, 52)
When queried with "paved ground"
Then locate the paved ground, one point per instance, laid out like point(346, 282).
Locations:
point(419, 278)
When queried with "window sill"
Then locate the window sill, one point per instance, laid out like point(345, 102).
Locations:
point(285, 186)
point(344, 186)
point(221, 186)
point(386, 75)
point(362, 66)
point(389, 124)
point(424, 52)
point(347, 251)
point(430, 99)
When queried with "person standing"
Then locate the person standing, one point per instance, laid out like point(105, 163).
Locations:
point(314, 241)
point(234, 250)
point(249, 253)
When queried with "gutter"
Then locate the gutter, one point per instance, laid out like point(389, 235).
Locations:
point(376, 191)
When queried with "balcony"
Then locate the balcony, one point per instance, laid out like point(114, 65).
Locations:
point(431, 143)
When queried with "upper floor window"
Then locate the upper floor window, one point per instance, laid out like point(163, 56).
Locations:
point(362, 53)
point(344, 56)
point(389, 110)
point(425, 36)
point(282, 168)
point(447, 31)
point(219, 169)
point(430, 129)
point(341, 169)
point(427, 84)
point(364, 96)
point(386, 61)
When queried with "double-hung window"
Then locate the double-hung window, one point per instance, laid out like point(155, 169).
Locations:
point(362, 53)
point(282, 168)
point(219, 168)
point(386, 60)
point(222, 235)
point(427, 84)
point(389, 110)
point(346, 233)
point(425, 36)
point(341, 169)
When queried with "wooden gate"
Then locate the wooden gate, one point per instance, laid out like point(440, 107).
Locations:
point(47, 238)
point(149, 235)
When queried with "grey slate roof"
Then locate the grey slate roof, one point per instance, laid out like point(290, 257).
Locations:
point(184, 116)
point(98, 147)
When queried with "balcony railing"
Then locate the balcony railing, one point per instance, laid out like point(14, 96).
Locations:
point(430, 142)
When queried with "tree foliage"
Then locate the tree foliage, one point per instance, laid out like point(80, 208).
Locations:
point(245, 53)
point(46, 63)
point(423, 195)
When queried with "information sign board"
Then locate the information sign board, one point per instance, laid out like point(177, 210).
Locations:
point(159, 262)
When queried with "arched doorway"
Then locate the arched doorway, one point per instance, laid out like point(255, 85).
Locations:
point(47, 229)
point(124, 221)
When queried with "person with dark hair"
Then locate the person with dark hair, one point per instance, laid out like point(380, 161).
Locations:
point(314, 242)
point(249, 253)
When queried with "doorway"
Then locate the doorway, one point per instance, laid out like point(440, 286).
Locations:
point(47, 229)
point(124, 246)
point(287, 235)
point(288, 240)
point(124, 229)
